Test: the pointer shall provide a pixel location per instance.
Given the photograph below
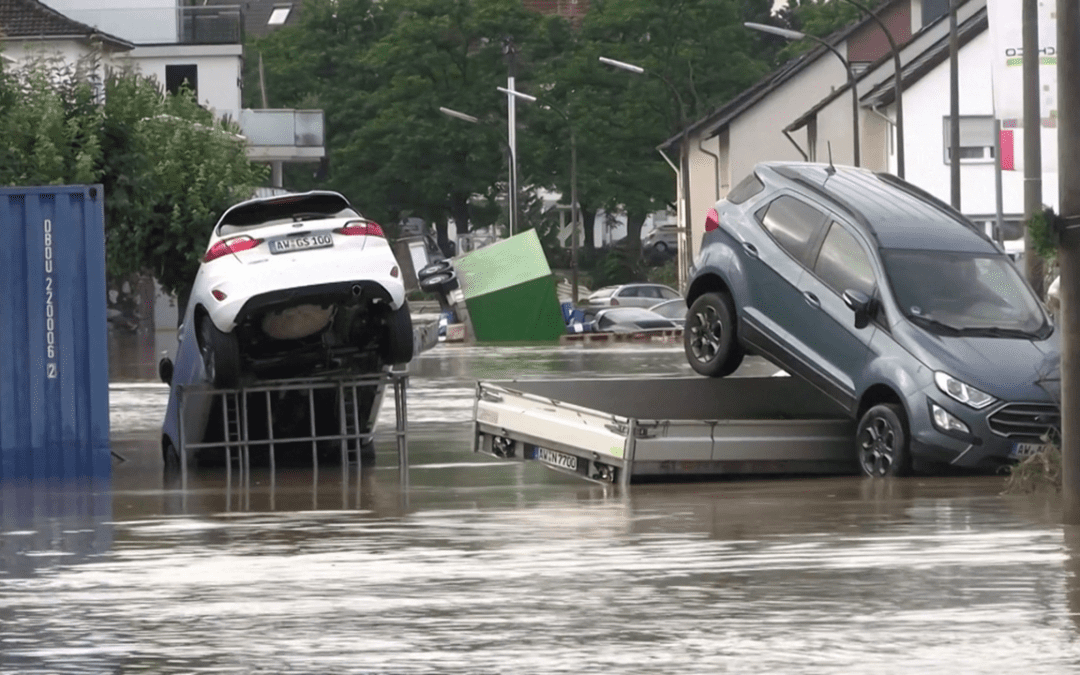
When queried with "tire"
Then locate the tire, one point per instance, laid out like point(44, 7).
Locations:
point(220, 354)
point(170, 456)
point(709, 338)
point(433, 268)
point(882, 441)
point(659, 248)
point(443, 282)
point(397, 343)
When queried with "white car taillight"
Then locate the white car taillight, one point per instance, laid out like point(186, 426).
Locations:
point(227, 246)
point(366, 228)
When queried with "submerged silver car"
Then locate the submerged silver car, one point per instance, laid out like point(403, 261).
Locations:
point(890, 302)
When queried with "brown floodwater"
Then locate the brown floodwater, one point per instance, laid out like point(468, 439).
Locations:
point(473, 565)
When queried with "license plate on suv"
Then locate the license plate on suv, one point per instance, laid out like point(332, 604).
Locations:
point(301, 243)
point(558, 459)
point(1022, 450)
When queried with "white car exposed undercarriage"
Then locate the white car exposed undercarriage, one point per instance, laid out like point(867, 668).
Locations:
point(297, 284)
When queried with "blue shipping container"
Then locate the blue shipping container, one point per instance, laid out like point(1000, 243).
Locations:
point(54, 375)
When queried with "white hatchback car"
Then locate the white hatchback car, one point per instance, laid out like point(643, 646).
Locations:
point(295, 284)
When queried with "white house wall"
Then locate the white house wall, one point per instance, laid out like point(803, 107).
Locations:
point(138, 21)
point(756, 136)
point(219, 71)
point(926, 104)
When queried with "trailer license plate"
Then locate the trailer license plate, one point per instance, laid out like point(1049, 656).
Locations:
point(289, 244)
point(1022, 450)
point(558, 459)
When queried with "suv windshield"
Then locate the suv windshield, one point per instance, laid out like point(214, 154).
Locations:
point(964, 294)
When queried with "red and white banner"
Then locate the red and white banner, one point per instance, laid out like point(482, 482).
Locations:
point(1007, 69)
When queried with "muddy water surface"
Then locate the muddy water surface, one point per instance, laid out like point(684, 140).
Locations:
point(479, 566)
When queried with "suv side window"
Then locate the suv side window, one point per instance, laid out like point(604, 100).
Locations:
point(668, 294)
point(794, 224)
point(843, 263)
point(747, 188)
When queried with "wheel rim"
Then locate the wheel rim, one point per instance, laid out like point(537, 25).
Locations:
point(207, 350)
point(437, 279)
point(877, 446)
point(706, 330)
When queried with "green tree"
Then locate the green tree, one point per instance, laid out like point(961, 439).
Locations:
point(168, 167)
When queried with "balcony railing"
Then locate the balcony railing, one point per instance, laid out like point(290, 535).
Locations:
point(203, 24)
point(279, 128)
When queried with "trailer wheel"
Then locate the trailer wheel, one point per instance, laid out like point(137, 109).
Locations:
point(433, 268)
point(220, 354)
point(709, 339)
point(439, 282)
point(882, 440)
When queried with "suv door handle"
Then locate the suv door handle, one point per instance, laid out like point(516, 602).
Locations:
point(751, 250)
point(812, 300)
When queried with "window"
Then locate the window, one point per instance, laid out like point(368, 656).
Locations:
point(976, 139)
point(747, 188)
point(178, 76)
point(279, 16)
point(843, 264)
point(794, 225)
point(668, 294)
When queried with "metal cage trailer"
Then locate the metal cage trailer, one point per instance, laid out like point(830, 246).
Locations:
point(334, 410)
point(617, 430)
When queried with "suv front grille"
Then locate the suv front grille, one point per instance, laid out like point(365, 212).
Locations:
point(1025, 421)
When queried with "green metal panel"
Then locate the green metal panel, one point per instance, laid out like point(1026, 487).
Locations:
point(525, 312)
point(501, 265)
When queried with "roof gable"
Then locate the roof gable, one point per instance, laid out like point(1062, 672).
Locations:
point(32, 20)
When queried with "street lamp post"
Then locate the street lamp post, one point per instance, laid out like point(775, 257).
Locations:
point(898, 83)
point(684, 164)
point(511, 200)
point(574, 208)
point(796, 35)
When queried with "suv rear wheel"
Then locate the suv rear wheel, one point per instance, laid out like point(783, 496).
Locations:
point(709, 339)
point(882, 440)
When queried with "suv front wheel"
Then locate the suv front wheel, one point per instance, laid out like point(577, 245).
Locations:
point(709, 339)
point(883, 441)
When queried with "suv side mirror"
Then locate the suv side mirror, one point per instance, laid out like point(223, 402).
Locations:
point(860, 303)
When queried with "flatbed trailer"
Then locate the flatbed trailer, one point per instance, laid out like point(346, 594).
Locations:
point(618, 430)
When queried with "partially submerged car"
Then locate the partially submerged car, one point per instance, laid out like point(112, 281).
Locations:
point(629, 320)
point(296, 284)
point(292, 286)
point(890, 302)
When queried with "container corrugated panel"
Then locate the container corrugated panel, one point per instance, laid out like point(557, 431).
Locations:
point(54, 377)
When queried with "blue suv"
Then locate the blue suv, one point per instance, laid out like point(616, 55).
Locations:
point(887, 300)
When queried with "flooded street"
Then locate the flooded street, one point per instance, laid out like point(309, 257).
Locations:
point(482, 566)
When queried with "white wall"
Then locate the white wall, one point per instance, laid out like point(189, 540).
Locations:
point(219, 71)
point(139, 21)
point(926, 103)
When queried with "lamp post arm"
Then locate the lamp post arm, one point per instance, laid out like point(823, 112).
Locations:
point(898, 83)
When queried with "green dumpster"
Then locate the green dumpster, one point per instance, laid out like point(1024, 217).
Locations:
point(509, 292)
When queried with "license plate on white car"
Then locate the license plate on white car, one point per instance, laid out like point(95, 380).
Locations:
point(561, 460)
point(301, 243)
point(1022, 450)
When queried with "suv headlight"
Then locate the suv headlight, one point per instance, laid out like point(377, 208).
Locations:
point(962, 392)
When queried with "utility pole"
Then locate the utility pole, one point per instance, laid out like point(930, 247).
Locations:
point(1068, 76)
point(1033, 264)
point(954, 106)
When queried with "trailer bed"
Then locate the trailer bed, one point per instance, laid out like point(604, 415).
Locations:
point(617, 430)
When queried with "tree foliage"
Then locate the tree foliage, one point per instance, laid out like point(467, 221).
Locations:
point(381, 70)
point(167, 167)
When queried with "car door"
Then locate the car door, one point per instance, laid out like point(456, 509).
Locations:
point(774, 260)
point(840, 350)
